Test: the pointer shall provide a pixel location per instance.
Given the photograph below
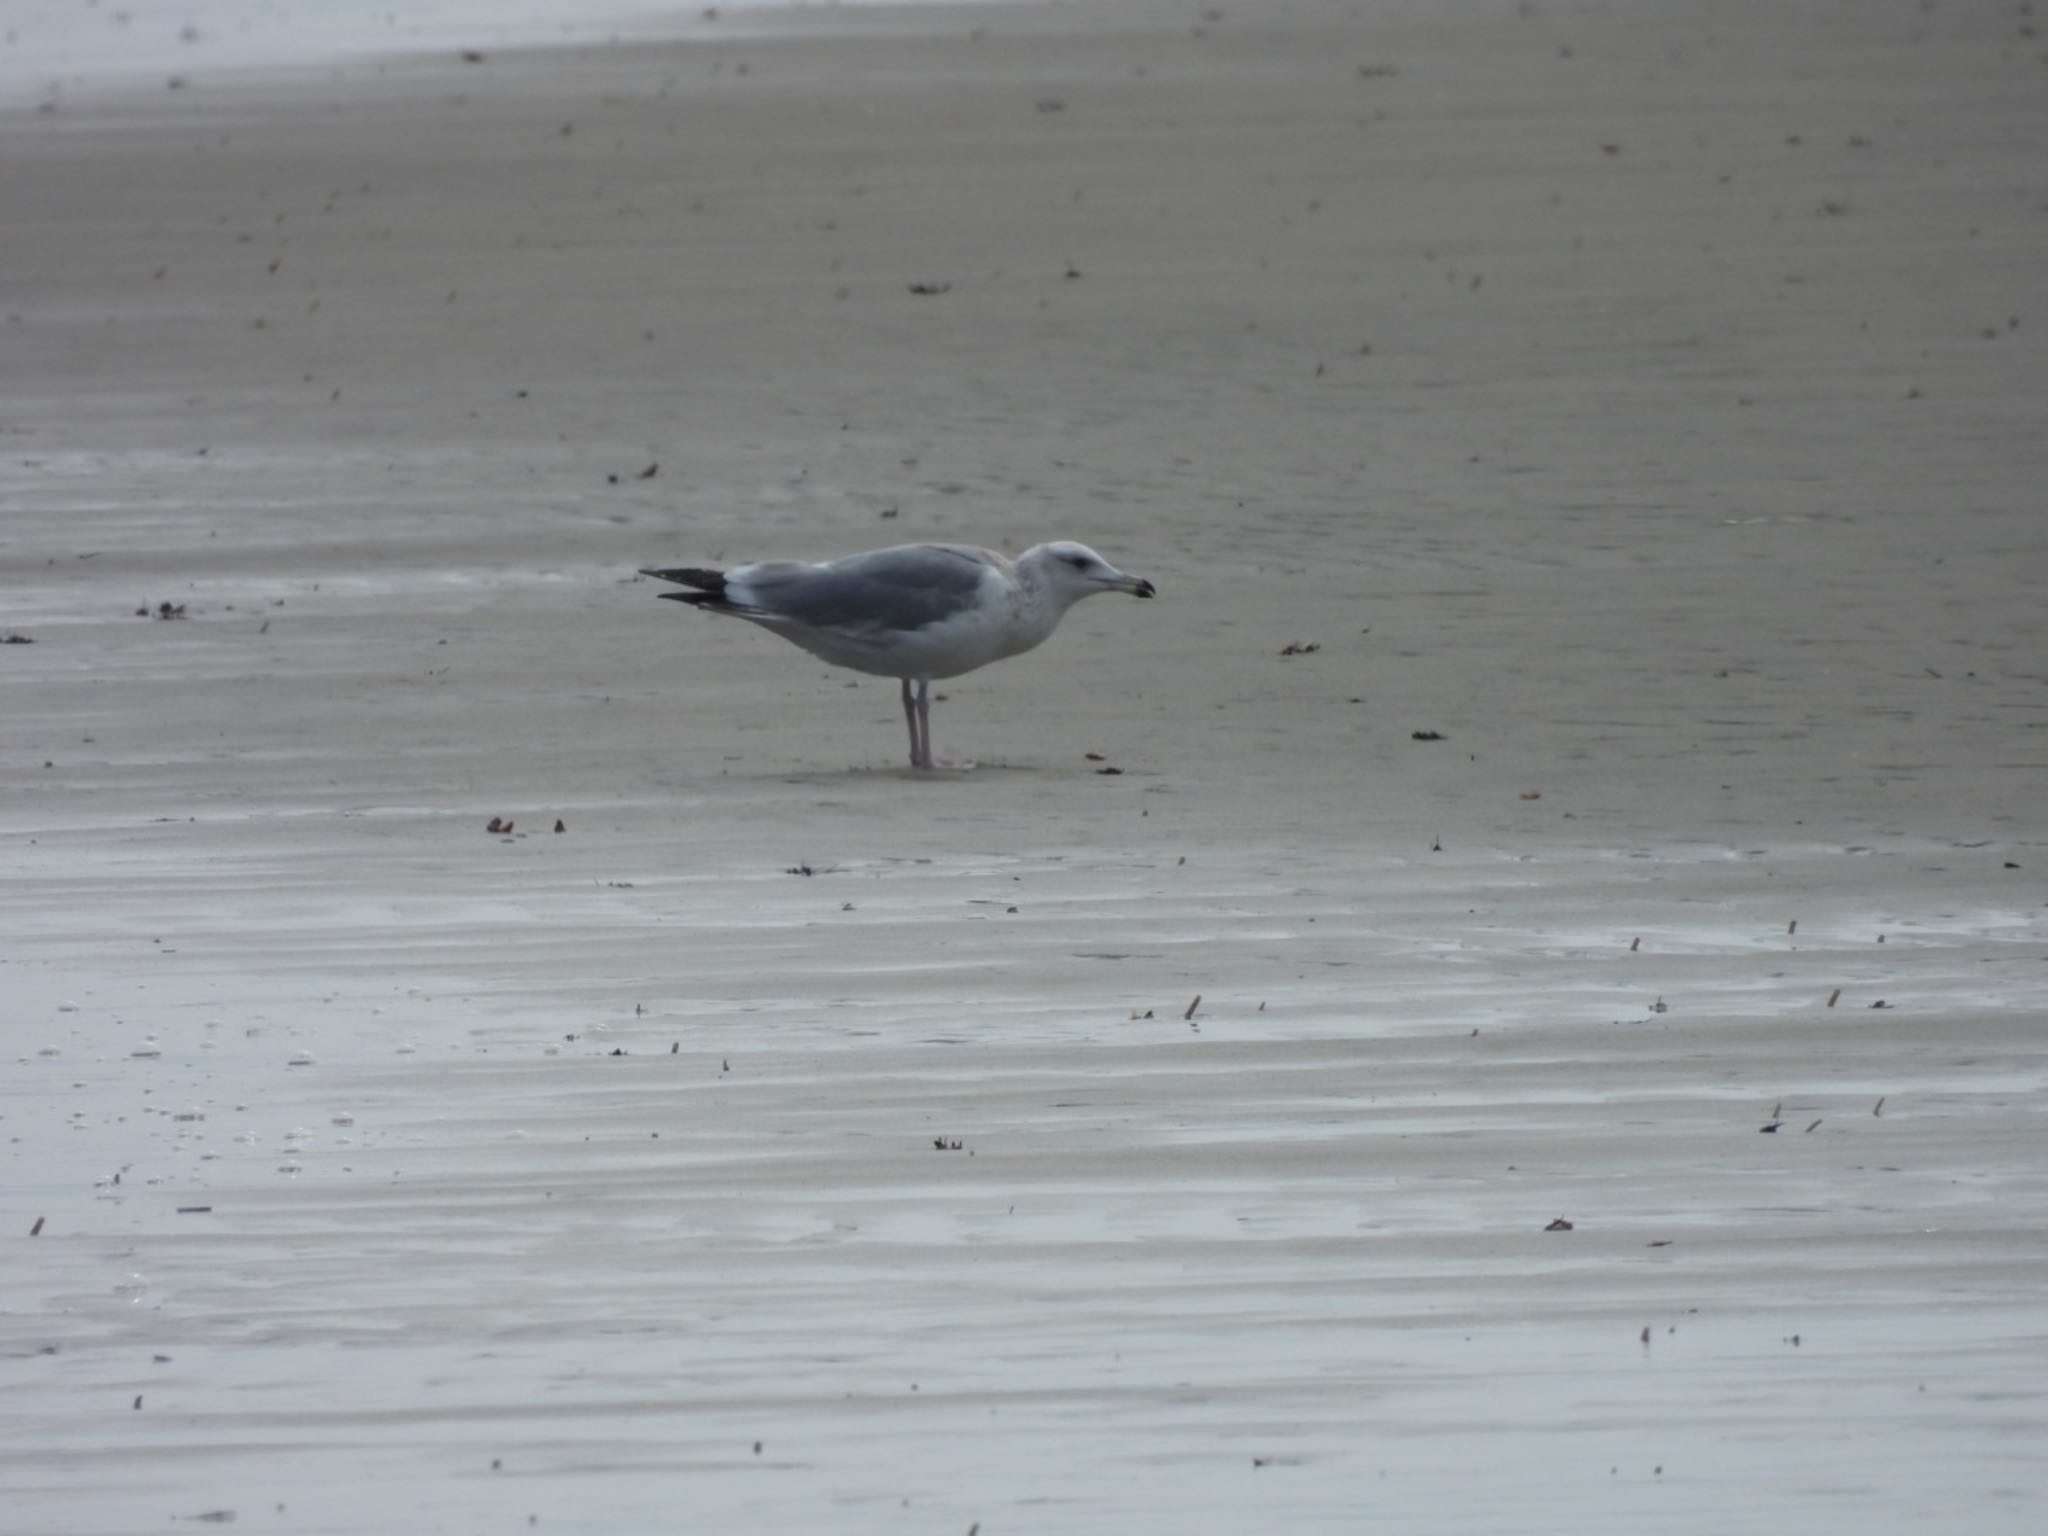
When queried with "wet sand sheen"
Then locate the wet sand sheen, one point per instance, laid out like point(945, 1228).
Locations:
point(1580, 762)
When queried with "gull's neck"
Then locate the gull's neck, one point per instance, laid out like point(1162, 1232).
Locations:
point(1038, 603)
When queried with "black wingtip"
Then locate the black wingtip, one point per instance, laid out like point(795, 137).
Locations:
point(703, 580)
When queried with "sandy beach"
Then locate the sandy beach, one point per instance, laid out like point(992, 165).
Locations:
point(1512, 998)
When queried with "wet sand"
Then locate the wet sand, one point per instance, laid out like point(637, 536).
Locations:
point(1586, 764)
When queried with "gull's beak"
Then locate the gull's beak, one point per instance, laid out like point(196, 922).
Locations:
point(1137, 586)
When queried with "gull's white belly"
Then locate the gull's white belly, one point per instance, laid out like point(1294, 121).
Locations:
point(970, 639)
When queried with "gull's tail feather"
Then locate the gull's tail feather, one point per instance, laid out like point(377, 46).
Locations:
point(710, 586)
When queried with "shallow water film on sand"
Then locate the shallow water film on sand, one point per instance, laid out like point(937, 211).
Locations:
point(1509, 999)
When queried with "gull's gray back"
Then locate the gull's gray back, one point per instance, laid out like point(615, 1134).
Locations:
point(886, 590)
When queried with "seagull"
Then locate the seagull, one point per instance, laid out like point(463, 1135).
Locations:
point(913, 611)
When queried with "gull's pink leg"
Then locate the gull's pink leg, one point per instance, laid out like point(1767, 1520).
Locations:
point(920, 749)
point(924, 715)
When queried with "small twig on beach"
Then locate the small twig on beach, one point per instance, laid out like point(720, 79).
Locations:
point(1193, 1004)
point(1834, 997)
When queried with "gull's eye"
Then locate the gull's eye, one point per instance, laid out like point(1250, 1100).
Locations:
point(1078, 562)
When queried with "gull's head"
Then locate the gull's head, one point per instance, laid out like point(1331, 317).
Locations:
point(1074, 571)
